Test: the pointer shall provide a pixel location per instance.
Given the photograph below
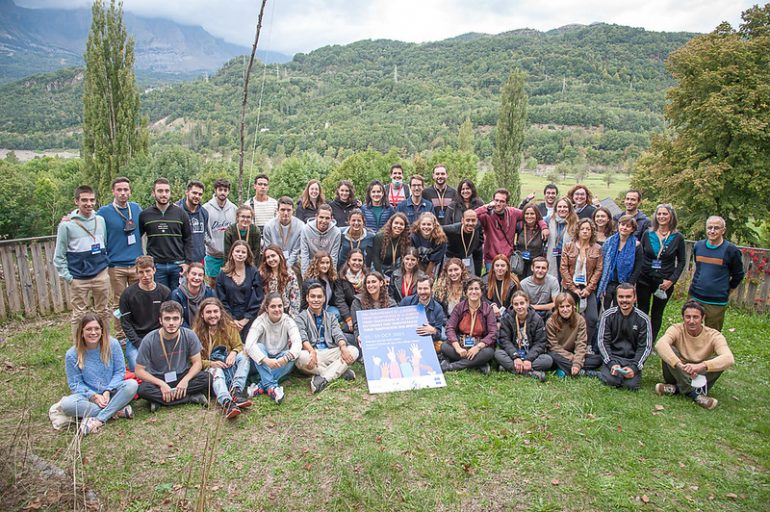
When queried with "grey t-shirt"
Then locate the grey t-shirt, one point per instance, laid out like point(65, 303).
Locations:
point(152, 358)
point(541, 293)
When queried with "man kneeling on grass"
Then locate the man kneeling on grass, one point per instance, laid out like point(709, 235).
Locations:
point(326, 353)
point(222, 356)
point(693, 357)
point(625, 341)
point(169, 363)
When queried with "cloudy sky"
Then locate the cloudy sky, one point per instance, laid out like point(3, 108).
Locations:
point(292, 26)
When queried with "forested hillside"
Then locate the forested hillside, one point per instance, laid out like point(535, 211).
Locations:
point(595, 92)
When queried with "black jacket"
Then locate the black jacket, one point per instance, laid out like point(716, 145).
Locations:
point(625, 340)
point(474, 242)
point(536, 341)
point(169, 237)
point(344, 294)
point(672, 260)
point(341, 210)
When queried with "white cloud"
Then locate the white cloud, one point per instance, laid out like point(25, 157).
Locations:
point(302, 25)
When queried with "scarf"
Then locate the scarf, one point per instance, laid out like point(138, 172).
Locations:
point(355, 279)
point(611, 259)
point(556, 226)
point(193, 301)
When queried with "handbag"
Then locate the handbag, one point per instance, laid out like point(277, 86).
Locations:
point(517, 260)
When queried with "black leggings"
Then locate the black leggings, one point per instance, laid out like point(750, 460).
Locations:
point(644, 294)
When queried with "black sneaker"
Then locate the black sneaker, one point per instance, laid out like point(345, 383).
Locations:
point(349, 375)
point(589, 373)
point(317, 384)
point(446, 366)
point(241, 398)
point(199, 399)
point(536, 374)
point(230, 410)
point(486, 369)
point(154, 407)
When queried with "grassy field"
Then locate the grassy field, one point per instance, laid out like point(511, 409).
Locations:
point(482, 443)
point(531, 182)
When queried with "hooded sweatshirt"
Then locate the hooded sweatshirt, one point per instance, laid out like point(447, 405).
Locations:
point(199, 220)
point(81, 253)
point(313, 241)
point(220, 218)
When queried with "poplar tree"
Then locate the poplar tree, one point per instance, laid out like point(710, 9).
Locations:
point(113, 130)
point(510, 135)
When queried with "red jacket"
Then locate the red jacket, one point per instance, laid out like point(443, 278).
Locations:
point(499, 234)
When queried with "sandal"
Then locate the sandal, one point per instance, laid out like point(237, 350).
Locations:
point(89, 426)
point(126, 413)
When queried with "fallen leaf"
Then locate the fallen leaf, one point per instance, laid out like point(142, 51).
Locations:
point(216, 487)
point(660, 408)
point(526, 441)
point(645, 499)
point(731, 329)
point(732, 495)
point(555, 482)
point(170, 445)
point(467, 468)
point(152, 419)
point(681, 465)
point(557, 405)
point(378, 439)
point(620, 428)
point(590, 416)
point(308, 466)
point(694, 487)
point(398, 467)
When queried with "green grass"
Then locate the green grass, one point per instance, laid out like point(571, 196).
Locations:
point(482, 443)
point(531, 182)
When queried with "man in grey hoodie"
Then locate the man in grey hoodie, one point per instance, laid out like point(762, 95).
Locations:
point(221, 215)
point(321, 234)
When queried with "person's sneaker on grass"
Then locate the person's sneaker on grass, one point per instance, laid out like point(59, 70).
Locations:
point(241, 398)
point(446, 366)
point(589, 373)
point(537, 374)
point(561, 373)
point(230, 409)
point(125, 413)
point(486, 369)
point(200, 399)
point(90, 426)
point(349, 375)
point(317, 384)
point(706, 401)
point(665, 389)
point(276, 394)
point(154, 407)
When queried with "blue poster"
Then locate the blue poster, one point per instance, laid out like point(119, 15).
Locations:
point(396, 358)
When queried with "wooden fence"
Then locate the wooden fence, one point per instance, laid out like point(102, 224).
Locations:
point(31, 287)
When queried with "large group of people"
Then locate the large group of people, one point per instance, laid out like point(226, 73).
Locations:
point(209, 296)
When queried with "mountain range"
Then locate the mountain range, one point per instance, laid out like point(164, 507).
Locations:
point(43, 40)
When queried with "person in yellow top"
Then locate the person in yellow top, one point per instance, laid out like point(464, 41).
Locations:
point(693, 357)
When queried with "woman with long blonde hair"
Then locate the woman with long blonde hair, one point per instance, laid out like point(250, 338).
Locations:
point(430, 241)
point(448, 289)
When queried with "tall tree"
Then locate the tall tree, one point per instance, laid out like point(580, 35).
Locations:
point(113, 129)
point(510, 135)
point(715, 159)
point(465, 136)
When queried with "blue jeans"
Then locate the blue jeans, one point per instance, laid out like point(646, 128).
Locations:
point(131, 354)
point(168, 274)
point(334, 310)
point(270, 377)
point(79, 406)
point(235, 376)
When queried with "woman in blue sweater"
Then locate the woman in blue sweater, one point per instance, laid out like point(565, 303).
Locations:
point(95, 375)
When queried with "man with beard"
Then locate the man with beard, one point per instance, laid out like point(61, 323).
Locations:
point(464, 241)
point(221, 215)
point(440, 194)
point(199, 218)
point(191, 293)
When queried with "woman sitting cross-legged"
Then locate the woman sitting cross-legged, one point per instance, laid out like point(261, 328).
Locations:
point(95, 374)
point(568, 340)
point(274, 344)
point(471, 332)
point(222, 356)
point(522, 340)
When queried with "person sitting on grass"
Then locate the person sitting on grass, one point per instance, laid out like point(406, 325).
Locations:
point(222, 356)
point(374, 296)
point(274, 344)
point(471, 332)
point(95, 373)
point(625, 341)
point(499, 284)
point(192, 292)
point(326, 354)
point(403, 282)
point(568, 339)
point(169, 363)
point(522, 342)
point(693, 357)
point(434, 313)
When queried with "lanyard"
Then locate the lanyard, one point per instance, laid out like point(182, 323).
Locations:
point(128, 207)
point(358, 242)
point(505, 219)
point(440, 198)
point(163, 347)
point(663, 243)
point(284, 239)
point(406, 285)
point(499, 292)
point(393, 251)
point(92, 235)
point(473, 313)
point(521, 331)
point(470, 242)
point(248, 233)
point(528, 240)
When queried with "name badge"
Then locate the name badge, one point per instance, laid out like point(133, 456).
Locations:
point(580, 279)
point(441, 214)
point(468, 263)
point(468, 342)
point(321, 346)
point(131, 239)
point(657, 264)
point(169, 377)
point(556, 251)
point(522, 353)
point(526, 255)
point(96, 249)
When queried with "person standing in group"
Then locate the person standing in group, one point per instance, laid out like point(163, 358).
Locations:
point(320, 234)
point(631, 202)
point(95, 375)
point(274, 344)
point(355, 236)
point(169, 238)
point(449, 288)
point(718, 271)
point(430, 241)
point(376, 209)
point(344, 202)
point(465, 241)
point(81, 258)
point(440, 194)
point(546, 208)
point(263, 206)
point(416, 204)
point(622, 258)
point(140, 307)
point(285, 231)
point(307, 204)
point(389, 244)
point(664, 260)
point(581, 199)
point(395, 191)
point(693, 357)
point(121, 219)
point(245, 230)
point(562, 225)
point(198, 218)
point(605, 226)
point(581, 271)
point(471, 332)
point(529, 238)
point(222, 214)
point(467, 198)
point(498, 222)
point(403, 282)
point(239, 287)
